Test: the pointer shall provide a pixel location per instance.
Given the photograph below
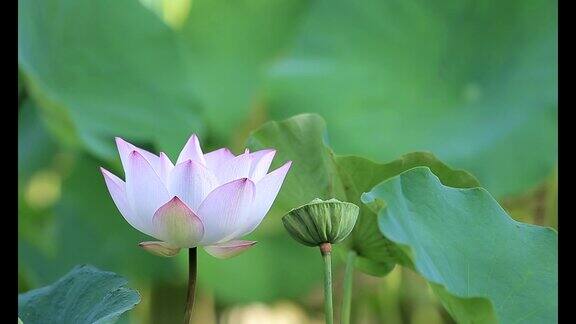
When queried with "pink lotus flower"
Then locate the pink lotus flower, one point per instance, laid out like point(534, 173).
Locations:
point(207, 200)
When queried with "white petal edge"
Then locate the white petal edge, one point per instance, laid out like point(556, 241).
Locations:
point(165, 167)
point(191, 182)
point(261, 161)
point(159, 248)
point(228, 249)
point(224, 210)
point(215, 158)
point(117, 189)
point(192, 151)
point(145, 190)
point(266, 191)
point(234, 169)
point(125, 148)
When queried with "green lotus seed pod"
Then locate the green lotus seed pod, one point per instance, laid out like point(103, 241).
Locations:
point(321, 221)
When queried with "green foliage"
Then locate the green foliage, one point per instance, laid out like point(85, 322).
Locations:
point(317, 172)
point(94, 82)
point(276, 268)
point(35, 145)
point(104, 69)
point(84, 295)
point(89, 229)
point(468, 80)
point(228, 47)
point(472, 81)
point(482, 264)
point(464, 79)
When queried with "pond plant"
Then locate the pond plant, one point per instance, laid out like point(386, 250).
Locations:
point(415, 212)
point(203, 200)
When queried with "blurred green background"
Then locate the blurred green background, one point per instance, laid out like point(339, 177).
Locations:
point(474, 82)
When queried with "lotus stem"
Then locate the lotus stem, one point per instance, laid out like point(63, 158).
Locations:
point(348, 280)
point(192, 270)
point(326, 250)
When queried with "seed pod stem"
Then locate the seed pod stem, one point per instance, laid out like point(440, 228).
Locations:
point(347, 295)
point(326, 249)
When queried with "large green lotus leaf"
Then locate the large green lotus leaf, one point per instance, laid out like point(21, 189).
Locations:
point(228, 46)
point(475, 82)
point(114, 68)
point(35, 145)
point(313, 173)
point(84, 295)
point(37, 153)
point(317, 173)
point(481, 263)
point(108, 68)
point(375, 252)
